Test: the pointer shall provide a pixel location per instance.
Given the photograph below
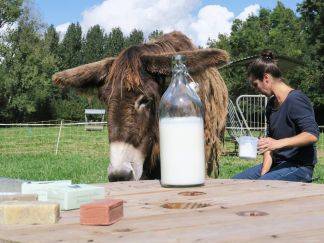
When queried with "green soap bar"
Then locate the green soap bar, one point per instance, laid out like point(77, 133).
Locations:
point(73, 196)
point(41, 187)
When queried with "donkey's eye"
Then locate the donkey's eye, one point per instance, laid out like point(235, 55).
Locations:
point(144, 101)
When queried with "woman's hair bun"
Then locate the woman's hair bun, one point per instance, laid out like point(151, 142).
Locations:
point(267, 55)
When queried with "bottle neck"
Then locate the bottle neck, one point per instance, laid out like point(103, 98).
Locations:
point(179, 75)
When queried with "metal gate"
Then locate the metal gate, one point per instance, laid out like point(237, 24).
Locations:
point(252, 109)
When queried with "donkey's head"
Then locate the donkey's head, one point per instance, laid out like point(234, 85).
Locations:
point(131, 85)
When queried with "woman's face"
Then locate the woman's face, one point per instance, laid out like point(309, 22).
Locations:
point(263, 86)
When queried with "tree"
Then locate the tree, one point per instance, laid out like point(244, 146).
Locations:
point(278, 29)
point(312, 21)
point(282, 31)
point(9, 11)
point(155, 34)
point(67, 104)
point(115, 42)
point(285, 32)
point(51, 40)
point(3, 97)
point(312, 16)
point(93, 48)
point(26, 86)
point(70, 48)
point(135, 37)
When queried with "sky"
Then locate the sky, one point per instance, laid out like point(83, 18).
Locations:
point(199, 19)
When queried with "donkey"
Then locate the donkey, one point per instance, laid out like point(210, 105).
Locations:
point(131, 86)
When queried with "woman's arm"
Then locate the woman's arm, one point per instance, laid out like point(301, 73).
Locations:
point(267, 162)
point(270, 144)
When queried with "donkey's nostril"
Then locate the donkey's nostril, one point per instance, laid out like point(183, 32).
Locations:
point(121, 176)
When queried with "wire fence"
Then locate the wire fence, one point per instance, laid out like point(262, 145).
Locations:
point(54, 137)
point(68, 137)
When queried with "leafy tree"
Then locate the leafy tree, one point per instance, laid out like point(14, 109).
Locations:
point(3, 98)
point(9, 11)
point(155, 34)
point(136, 37)
point(312, 16)
point(67, 104)
point(115, 42)
point(278, 29)
point(27, 84)
point(93, 48)
point(282, 31)
point(51, 40)
point(70, 48)
point(29, 55)
point(285, 35)
point(312, 21)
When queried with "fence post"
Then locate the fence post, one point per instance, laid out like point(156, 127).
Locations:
point(58, 138)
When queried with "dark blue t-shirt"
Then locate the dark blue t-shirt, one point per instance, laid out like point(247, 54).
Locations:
point(294, 116)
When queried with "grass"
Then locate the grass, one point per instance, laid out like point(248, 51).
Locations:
point(37, 140)
point(78, 168)
point(29, 153)
point(93, 169)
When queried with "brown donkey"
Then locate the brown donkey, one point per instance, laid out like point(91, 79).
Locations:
point(131, 86)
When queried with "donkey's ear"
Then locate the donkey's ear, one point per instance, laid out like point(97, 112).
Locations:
point(84, 76)
point(197, 60)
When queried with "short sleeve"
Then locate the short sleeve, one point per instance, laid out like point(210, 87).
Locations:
point(302, 114)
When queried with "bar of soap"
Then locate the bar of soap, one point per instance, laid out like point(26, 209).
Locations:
point(13, 196)
point(41, 187)
point(102, 212)
point(63, 192)
point(29, 212)
point(72, 196)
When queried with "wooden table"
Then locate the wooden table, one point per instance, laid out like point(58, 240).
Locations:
point(222, 210)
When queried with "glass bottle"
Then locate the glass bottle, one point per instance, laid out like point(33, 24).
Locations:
point(181, 128)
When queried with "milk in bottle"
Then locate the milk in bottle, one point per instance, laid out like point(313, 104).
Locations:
point(181, 129)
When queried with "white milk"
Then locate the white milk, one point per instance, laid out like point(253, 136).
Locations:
point(182, 151)
point(247, 147)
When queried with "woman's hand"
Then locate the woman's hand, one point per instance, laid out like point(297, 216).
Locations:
point(268, 144)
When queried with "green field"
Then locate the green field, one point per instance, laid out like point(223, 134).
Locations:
point(82, 156)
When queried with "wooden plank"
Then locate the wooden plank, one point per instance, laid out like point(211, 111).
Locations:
point(291, 207)
point(228, 196)
point(153, 186)
point(221, 197)
point(229, 226)
point(224, 197)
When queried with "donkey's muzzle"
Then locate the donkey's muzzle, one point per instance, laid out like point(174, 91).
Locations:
point(122, 175)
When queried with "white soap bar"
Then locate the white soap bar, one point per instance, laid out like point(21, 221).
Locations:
point(41, 187)
point(72, 196)
point(29, 212)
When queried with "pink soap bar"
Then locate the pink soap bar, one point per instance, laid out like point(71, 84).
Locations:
point(101, 212)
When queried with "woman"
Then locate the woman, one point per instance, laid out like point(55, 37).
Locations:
point(289, 151)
